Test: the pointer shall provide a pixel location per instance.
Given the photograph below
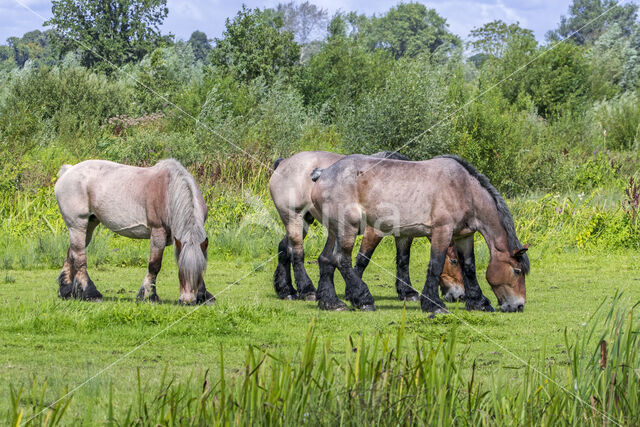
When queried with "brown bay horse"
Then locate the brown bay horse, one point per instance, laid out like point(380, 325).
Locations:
point(162, 203)
point(441, 198)
point(290, 187)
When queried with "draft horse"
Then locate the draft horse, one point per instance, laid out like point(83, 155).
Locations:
point(441, 198)
point(162, 203)
point(290, 187)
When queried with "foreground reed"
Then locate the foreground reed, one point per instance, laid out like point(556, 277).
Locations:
point(387, 380)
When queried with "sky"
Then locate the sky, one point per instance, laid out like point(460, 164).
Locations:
point(209, 16)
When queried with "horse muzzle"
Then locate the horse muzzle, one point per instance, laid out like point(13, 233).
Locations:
point(512, 305)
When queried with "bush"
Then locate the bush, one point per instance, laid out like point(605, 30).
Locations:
point(409, 113)
point(618, 120)
point(71, 103)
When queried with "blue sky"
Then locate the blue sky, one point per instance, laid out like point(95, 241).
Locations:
point(209, 15)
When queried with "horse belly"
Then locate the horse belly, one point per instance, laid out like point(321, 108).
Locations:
point(131, 224)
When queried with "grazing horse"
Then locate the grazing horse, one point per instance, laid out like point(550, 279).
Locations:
point(290, 187)
point(162, 203)
point(441, 198)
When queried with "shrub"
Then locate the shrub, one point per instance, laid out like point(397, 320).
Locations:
point(409, 113)
point(619, 121)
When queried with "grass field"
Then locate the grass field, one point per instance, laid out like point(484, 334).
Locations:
point(49, 346)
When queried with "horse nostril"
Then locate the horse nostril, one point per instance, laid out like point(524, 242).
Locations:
point(521, 307)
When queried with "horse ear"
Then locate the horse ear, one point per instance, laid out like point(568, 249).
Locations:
point(204, 245)
point(519, 252)
point(178, 244)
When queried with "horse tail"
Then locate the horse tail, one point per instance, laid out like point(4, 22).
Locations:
point(63, 169)
point(277, 162)
point(316, 174)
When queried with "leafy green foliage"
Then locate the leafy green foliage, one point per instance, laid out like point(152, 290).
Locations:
point(409, 29)
point(619, 121)
point(342, 72)
point(33, 46)
point(588, 19)
point(107, 33)
point(491, 38)
point(254, 47)
point(409, 113)
point(200, 45)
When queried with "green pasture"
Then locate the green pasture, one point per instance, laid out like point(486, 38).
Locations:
point(111, 355)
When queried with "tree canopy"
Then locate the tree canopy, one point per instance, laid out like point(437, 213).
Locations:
point(253, 45)
point(588, 19)
point(108, 33)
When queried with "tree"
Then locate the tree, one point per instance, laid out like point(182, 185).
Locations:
point(200, 45)
point(342, 72)
point(254, 46)
point(35, 46)
point(588, 19)
point(305, 20)
point(409, 29)
point(491, 38)
point(113, 32)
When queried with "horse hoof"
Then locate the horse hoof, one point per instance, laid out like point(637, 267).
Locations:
point(484, 305)
point(332, 306)
point(368, 307)
point(288, 297)
point(412, 298)
point(308, 297)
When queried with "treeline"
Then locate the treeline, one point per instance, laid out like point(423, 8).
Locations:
point(104, 82)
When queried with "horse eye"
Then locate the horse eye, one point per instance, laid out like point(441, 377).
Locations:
point(517, 271)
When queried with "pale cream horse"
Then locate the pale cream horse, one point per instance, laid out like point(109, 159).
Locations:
point(162, 203)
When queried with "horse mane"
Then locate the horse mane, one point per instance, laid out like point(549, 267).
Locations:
point(393, 155)
point(503, 210)
point(276, 163)
point(186, 216)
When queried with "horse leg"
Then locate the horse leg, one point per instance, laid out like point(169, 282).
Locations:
point(282, 276)
point(295, 234)
point(405, 291)
point(430, 300)
point(474, 299)
point(356, 290)
point(327, 298)
point(156, 249)
point(65, 279)
point(370, 242)
point(82, 285)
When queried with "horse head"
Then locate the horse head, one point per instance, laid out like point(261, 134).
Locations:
point(506, 276)
point(192, 263)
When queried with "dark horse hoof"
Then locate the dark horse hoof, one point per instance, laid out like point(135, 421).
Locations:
point(367, 307)
point(95, 296)
point(311, 296)
point(205, 298)
point(481, 305)
point(410, 298)
point(66, 291)
point(289, 297)
point(332, 305)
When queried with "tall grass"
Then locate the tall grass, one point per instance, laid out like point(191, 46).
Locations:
point(389, 381)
